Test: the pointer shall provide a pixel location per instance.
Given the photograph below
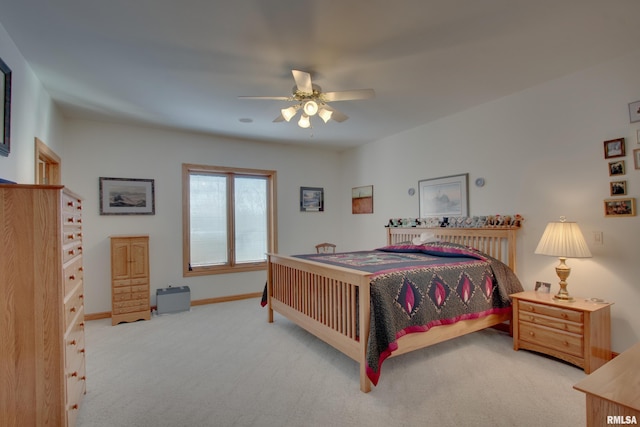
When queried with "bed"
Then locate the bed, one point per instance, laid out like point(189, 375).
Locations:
point(338, 299)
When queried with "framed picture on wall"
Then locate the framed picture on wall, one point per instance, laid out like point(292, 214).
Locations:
point(616, 168)
point(636, 158)
point(618, 188)
point(5, 109)
point(614, 148)
point(362, 200)
point(445, 196)
point(619, 207)
point(127, 196)
point(634, 111)
point(311, 199)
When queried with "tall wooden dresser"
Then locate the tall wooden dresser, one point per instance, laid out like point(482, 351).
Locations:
point(42, 357)
point(130, 300)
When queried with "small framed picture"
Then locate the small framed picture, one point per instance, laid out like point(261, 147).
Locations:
point(636, 158)
point(634, 112)
point(619, 207)
point(638, 136)
point(616, 168)
point(543, 287)
point(614, 148)
point(618, 188)
point(311, 199)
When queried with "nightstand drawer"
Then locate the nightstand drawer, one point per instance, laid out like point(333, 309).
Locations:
point(552, 322)
point(547, 337)
point(557, 312)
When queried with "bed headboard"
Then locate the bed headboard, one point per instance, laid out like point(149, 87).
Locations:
point(498, 242)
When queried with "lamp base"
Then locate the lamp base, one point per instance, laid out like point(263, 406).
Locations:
point(562, 297)
point(563, 271)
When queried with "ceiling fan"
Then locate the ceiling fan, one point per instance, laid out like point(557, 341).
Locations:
point(311, 100)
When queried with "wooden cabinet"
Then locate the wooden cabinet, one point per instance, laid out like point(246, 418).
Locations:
point(578, 332)
point(612, 391)
point(42, 353)
point(130, 299)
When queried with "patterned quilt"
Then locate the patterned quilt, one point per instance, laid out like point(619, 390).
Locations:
point(416, 287)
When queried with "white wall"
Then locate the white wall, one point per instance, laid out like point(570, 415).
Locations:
point(541, 153)
point(33, 114)
point(96, 149)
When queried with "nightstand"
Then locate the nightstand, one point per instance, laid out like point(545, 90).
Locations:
point(578, 332)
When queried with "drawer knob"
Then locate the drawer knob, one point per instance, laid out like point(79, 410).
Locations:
point(532, 334)
point(73, 342)
point(72, 277)
point(72, 309)
point(73, 374)
point(74, 407)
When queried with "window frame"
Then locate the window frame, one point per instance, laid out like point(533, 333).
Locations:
point(230, 172)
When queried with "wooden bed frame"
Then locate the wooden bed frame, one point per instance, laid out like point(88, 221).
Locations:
point(323, 299)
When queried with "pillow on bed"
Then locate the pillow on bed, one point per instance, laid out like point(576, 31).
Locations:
point(425, 238)
point(438, 248)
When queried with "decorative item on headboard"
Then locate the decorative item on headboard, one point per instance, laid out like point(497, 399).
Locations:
point(484, 221)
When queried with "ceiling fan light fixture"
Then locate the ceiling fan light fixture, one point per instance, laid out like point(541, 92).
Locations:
point(304, 121)
point(288, 113)
point(310, 108)
point(325, 114)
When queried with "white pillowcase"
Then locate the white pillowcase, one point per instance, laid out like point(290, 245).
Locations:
point(425, 238)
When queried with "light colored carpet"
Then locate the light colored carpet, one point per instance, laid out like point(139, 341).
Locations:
point(224, 365)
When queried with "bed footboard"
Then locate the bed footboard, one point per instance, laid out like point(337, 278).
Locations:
point(330, 303)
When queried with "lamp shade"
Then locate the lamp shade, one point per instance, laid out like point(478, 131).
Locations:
point(563, 239)
point(325, 114)
point(304, 121)
point(288, 113)
point(310, 108)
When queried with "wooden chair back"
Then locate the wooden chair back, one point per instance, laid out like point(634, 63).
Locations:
point(325, 248)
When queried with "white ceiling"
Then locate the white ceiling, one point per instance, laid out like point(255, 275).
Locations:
point(183, 63)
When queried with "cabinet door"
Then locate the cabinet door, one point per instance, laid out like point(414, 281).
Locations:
point(120, 260)
point(139, 254)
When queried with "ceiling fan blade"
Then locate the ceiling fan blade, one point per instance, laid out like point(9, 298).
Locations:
point(277, 98)
point(348, 95)
point(280, 118)
point(337, 115)
point(303, 81)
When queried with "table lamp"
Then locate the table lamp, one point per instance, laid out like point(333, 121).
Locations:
point(564, 240)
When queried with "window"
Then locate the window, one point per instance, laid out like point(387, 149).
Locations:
point(228, 219)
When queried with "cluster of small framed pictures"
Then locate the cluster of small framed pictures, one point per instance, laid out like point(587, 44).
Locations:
point(615, 150)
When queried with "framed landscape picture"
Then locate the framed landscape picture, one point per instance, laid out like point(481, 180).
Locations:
point(311, 199)
point(445, 196)
point(127, 196)
point(362, 200)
